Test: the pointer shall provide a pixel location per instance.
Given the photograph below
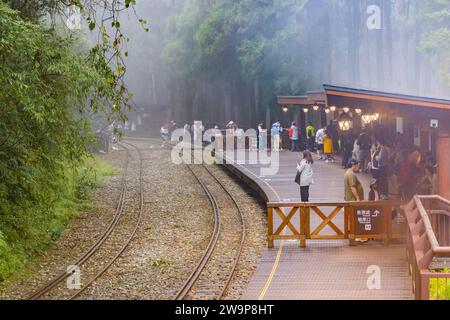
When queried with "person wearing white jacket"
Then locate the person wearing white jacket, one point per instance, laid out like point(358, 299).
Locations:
point(306, 175)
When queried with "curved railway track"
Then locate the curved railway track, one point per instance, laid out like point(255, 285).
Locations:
point(87, 256)
point(212, 251)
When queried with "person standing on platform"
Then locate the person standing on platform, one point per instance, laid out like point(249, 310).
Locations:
point(373, 164)
point(165, 134)
point(173, 126)
point(310, 136)
point(328, 148)
point(333, 135)
point(373, 193)
point(276, 136)
point(353, 190)
point(306, 173)
point(347, 141)
point(294, 135)
point(319, 141)
point(382, 159)
point(262, 134)
point(364, 145)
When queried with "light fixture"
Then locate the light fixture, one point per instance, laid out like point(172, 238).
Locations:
point(358, 111)
point(366, 118)
point(345, 122)
point(375, 117)
point(305, 110)
point(333, 108)
point(316, 107)
point(346, 109)
point(285, 109)
point(327, 111)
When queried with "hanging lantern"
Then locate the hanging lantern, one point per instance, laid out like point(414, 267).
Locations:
point(366, 118)
point(346, 109)
point(316, 108)
point(345, 122)
point(358, 111)
point(375, 117)
point(327, 111)
point(285, 109)
point(333, 108)
point(305, 110)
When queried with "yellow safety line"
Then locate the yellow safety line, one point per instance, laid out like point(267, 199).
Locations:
point(280, 250)
point(272, 273)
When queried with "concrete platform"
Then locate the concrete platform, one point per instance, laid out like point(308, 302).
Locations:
point(324, 270)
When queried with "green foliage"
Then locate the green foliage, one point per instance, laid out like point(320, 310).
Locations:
point(31, 229)
point(239, 41)
point(440, 287)
point(435, 17)
point(47, 90)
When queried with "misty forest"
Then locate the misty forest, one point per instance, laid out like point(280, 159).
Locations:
point(220, 60)
point(210, 60)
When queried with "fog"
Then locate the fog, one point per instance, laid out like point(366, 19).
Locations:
point(217, 60)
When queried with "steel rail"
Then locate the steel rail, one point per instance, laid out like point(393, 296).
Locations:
point(130, 238)
point(86, 256)
point(243, 232)
point(193, 277)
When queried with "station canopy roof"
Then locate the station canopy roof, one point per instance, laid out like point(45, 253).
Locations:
point(332, 92)
point(385, 97)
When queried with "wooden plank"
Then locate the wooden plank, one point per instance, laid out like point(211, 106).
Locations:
point(286, 220)
point(287, 237)
point(327, 237)
point(270, 227)
point(372, 97)
point(327, 220)
point(283, 218)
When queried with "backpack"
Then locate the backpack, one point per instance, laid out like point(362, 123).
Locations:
point(291, 132)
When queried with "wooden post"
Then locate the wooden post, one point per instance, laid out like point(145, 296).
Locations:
point(346, 222)
point(270, 227)
point(351, 216)
point(302, 227)
point(307, 223)
point(424, 290)
point(443, 161)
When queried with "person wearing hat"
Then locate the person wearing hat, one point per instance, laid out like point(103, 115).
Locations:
point(353, 190)
point(373, 193)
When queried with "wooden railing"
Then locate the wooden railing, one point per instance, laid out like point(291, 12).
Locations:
point(428, 246)
point(367, 219)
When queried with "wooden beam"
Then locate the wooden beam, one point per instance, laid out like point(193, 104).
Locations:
point(406, 101)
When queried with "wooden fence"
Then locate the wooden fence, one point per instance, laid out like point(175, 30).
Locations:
point(367, 219)
point(428, 246)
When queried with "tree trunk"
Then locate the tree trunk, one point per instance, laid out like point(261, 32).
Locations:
point(332, 49)
point(366, 56)
point(403, 13)
point(387, 38)
point(380, 52)
point(353, 32)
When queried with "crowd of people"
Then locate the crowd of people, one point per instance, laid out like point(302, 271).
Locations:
point(397, 169)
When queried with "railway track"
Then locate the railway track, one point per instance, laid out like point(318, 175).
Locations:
point(216, 268)
point(89, 255)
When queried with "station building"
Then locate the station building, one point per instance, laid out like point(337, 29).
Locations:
point(421, 122)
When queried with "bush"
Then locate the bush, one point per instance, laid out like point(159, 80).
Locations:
point(46, 89)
